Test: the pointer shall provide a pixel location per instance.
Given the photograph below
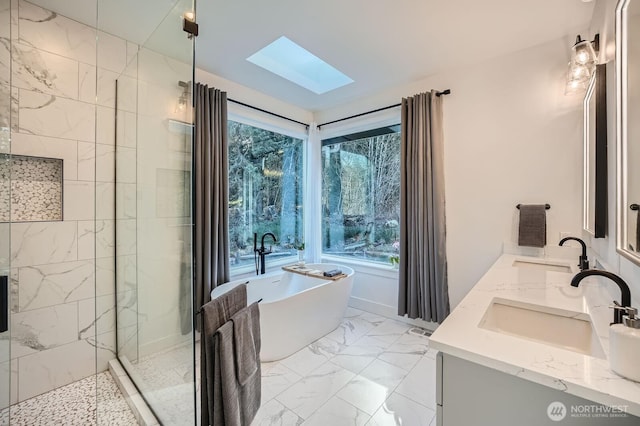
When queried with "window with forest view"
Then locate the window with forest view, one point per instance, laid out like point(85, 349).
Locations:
point(265, 191)
point(361, 195)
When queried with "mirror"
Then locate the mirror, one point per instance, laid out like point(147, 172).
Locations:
point(595, 154)
point(628, 127)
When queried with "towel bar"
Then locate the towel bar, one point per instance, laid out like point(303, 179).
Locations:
point(199, 311)
point(546, 206)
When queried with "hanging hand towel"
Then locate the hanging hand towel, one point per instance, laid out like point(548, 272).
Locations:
point(246, 335)
point(216, 314)
point(533, 225)
point(237, 373)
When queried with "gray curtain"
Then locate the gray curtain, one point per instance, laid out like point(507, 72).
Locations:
point(423, 290)
point(211, 192)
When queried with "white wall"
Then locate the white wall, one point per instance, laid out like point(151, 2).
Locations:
point(511, 136)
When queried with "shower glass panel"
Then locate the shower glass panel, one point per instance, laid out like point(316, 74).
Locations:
point(153, 132)
point(7, 391)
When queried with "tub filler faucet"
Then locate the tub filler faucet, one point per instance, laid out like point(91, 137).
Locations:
point(261, 252)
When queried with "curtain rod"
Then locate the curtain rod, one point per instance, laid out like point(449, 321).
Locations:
point(186, 85)
point(267, 112)
point(438, 94)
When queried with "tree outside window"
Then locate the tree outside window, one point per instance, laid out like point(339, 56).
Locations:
point(265, 191)
point(361, 195)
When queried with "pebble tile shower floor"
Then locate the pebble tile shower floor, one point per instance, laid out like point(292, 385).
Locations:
point(74, 404)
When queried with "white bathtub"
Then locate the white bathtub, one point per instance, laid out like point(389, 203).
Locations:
point(295, 309)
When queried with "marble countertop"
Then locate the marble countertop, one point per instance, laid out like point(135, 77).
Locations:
point(581, 375)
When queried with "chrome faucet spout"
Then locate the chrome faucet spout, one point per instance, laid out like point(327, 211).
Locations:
point(624, 289)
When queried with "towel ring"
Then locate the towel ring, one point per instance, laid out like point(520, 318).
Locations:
point(547, 206)
point(634, 207)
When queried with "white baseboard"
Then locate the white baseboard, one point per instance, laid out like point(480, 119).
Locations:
point(388, 312)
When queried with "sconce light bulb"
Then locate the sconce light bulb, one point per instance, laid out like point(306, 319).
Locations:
point(583, 53)
point(189, 16)
point(182, 104)
point(579, 72)
point(582, 57)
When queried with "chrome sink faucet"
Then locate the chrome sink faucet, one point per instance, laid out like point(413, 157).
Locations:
point(583, 261)
point(624, 290)
point(261, 252)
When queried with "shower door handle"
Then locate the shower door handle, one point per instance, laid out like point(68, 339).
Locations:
point(4, 303)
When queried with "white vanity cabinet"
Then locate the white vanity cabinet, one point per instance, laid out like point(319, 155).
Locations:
point(510, 372)
point(472, 394)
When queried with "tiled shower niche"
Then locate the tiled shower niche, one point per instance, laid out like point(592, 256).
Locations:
point(36, 188)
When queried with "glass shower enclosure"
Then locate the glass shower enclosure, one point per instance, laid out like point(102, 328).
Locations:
point(152, 218)
point(96, 108)
point(153, 226)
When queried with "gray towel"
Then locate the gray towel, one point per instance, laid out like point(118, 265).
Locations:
point(234, 404)
point(533, 225)
point(214, 315)
point(246, 336)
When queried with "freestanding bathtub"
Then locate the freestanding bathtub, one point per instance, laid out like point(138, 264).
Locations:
point(295, 309)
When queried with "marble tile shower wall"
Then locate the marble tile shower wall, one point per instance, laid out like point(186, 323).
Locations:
point(63, 106)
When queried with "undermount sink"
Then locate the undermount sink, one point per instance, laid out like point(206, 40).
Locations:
point(564, 329)
point(542, 265)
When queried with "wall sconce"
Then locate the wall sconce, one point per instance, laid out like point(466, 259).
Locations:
point(184, 96)
point(582, 64)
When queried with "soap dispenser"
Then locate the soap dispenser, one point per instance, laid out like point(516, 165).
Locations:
point(624, 344)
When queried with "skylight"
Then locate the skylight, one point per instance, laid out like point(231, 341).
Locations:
point(291, 61)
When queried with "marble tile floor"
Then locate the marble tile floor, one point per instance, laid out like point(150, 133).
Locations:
point(369, 371)
point(74, 404)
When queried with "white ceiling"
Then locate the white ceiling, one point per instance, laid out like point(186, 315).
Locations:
point(380, 44)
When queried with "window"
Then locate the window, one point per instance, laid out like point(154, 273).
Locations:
point(361, 195)
point(265, 191)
